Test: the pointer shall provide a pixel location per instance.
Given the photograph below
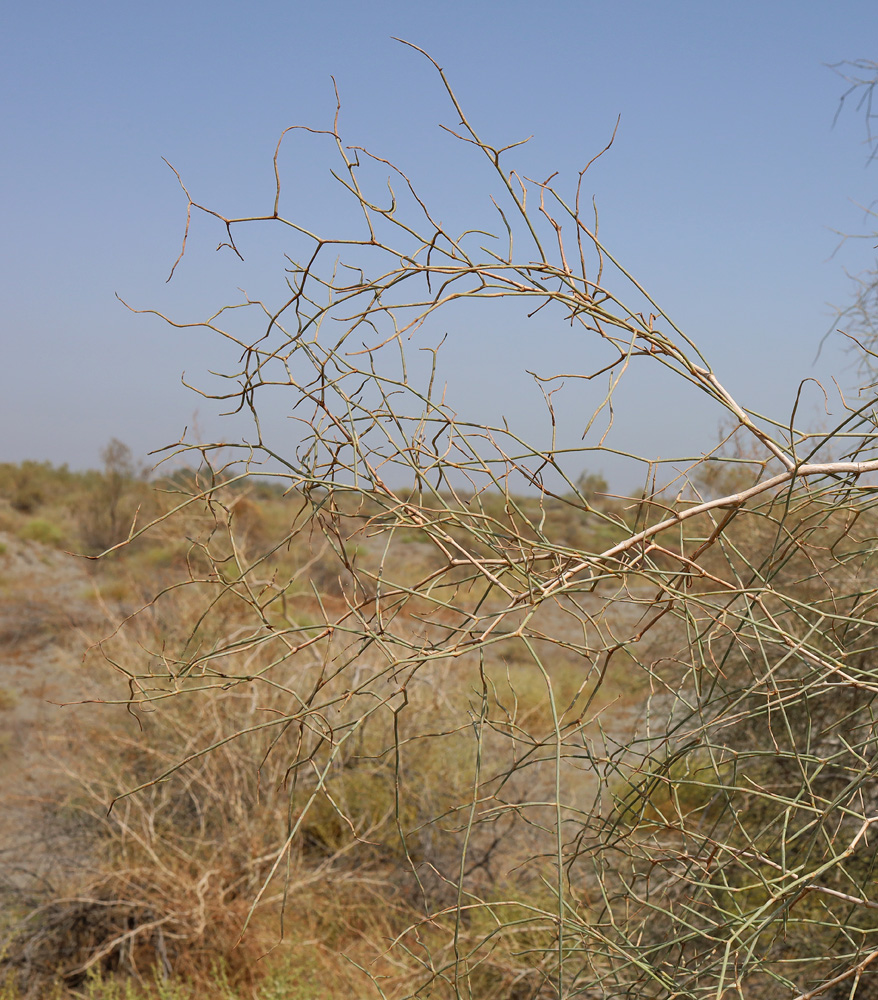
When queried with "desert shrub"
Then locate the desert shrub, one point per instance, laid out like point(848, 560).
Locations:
point(28, 486)
point(39, 529)
point(576, 746)
point(301, 806)
point(113, 499)
point(25, 485)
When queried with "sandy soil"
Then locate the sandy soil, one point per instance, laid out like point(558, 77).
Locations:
point(48, 618)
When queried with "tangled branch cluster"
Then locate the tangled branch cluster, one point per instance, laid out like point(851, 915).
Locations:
point(613, 747)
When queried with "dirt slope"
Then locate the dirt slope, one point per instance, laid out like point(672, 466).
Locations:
point(48, 617)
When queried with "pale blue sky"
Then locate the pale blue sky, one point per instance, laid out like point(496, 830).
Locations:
point(720, 193)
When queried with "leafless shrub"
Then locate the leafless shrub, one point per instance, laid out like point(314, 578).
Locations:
point(116, 494)
point(648, 765)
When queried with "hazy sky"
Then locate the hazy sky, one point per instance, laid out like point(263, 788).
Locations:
point(720, 193)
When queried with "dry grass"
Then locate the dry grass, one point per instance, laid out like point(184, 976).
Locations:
point(351, 830)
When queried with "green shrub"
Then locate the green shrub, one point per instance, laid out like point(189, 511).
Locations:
point(39, 529)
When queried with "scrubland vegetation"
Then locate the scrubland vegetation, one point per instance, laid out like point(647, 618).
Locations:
point(157, 891)
point(411, 707)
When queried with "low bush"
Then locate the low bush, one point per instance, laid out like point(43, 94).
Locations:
point(39, 529)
